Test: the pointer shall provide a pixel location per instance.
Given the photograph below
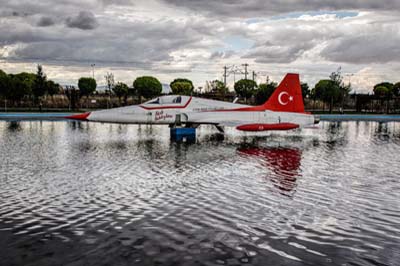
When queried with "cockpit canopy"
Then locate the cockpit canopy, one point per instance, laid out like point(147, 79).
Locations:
point(168, 100)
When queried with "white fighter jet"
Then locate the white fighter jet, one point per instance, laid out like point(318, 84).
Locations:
point(284, 110)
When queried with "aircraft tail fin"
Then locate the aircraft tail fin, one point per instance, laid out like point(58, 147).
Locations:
point(287, 97)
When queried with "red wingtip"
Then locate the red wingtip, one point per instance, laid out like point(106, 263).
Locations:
point(82, 117)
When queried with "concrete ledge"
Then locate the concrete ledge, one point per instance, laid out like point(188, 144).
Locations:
point(376, 118)
point(33, 116)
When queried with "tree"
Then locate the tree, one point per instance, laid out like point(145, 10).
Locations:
point(218, 87)
point(385, 92)
point(39, 88)
point(382, 91)
point(182, 88)
point(52, 87)
point(264, 91)
point(388, 85)
point(245, 88)
point(73, 96)
point(28, 81)
point(182, 80)
point(305, 90)
point(396, 89)
point(121, 90)
point(327, 91)
point(147, 86)
point(344, 90)
point(110, 85)
point(87, 86)
point(110, 81)
point(4, 82)
point(19, 86)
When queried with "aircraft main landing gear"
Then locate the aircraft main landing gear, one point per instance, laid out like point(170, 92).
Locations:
point(180, 133)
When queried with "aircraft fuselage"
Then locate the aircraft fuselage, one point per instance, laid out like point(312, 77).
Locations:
point(283, 111)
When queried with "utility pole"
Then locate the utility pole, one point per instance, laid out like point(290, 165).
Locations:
point(254, 75)
point(234, 71)
point(93, 65)
point(225, 74)
point(245, 70)
point(349, 76)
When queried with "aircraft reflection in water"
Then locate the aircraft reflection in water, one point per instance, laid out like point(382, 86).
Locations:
point(283, 162)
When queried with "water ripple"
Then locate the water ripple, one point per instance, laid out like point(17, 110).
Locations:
point(115, 194)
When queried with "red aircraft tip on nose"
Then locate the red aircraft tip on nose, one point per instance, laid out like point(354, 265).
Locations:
point(82, 117)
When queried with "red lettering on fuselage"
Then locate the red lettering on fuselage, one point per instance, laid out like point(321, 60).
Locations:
point(160, 115)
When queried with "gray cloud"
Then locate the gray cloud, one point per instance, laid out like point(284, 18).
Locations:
point(140, 44)
point(117, 2)
point(46, 7)
point(160, 38)
point(381, 47)
point(124, 40)
point(262, 8)
point(222, 54)
point(270, 53)
point(45, 22)
point(18, 14)
point(369, 38)
point(286, 41)
point(10, 13)
point(84, 20)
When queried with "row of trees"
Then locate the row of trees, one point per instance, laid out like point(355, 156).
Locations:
point(145, 86)
point(332, 92)
point(385, 92)
point(30, 86)
point(34, 86)
point(15, 87)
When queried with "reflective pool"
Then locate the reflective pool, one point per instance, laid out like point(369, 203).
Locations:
point(96, 194)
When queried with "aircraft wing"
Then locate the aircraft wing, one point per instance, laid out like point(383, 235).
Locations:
point(245, 124)
point(252, 127)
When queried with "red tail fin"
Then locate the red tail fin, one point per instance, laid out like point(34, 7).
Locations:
point(287, 97)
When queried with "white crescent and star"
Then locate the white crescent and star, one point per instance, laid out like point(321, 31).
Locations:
point(280, 98)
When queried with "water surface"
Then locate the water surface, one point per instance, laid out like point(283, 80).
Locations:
point(97, 194)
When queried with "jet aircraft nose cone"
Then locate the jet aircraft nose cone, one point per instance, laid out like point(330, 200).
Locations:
point(82, 117)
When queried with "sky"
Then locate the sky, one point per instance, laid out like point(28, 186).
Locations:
point(195, 39)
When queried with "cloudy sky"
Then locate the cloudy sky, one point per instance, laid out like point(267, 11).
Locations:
point(197, 38)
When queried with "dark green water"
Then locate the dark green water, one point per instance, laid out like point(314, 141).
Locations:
point(96, 194)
